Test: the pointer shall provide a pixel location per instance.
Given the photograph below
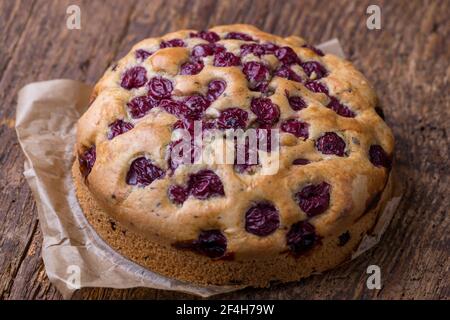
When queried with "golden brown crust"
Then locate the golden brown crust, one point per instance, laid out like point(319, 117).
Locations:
point(197, 269)
point(149, 212)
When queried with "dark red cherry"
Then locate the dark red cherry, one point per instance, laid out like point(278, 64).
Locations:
point(257, 75)
point(301, 237)
point(287, 73)
point(340, 109)
point(160, 88)
point(205, 184)
point(191, 67)
point(118, 127)
point(209, 36)
point(295, 127)
point(379, 157)
point(172, 43)
point(239, 36)
point(86, 161)
point(262, 219)
point(315, 86)
point(331, 143)
point(142, 54)
point(266, 111)
point(139, 106)
point(287, 56)
point(314, 67)
point(226, 59)
point(314, 49)
point(177, 194)
point(215, 89)
point(211, 243)
point(314, 199)
point(134, 78)
point(232, 118)
point(142, 172)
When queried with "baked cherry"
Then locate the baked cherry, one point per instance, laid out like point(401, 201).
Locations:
point(314, 49)
point(379, 157)
point(300, 162)
point(177, 157)
point(254, 48)
point(142, 54)
point(314, 199)
point(287, 73)
point(297, 103)
point(316, 86)
point(206, 49)
point(262, 219)
point(270, 48)
point(134, 78)
point(226, 59)
point(160, 88)
point(266, 111)
point(197, 104)
point(239, 36)
point(205, 184)
point(257, 75)
point(314, 68)
point(301, 237)
point(86, 161)
point(177, 194)
point(232, 118)
point(139, 106)
point(209, 36)
point(215, 89)
point(340, 109)
point(287, 56)
point(211, 243)
point(172, 43)
point(191, 67)
point(142, 172)
point(177, 108)
point(331, 143)
point(295, 127)
point(118, 127)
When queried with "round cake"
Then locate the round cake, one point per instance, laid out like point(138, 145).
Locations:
point(307, 177)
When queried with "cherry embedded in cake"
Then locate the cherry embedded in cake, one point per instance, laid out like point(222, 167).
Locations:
point(215, 89)
point(134, 78)
point(314, 199)
point(192, 67)
point(262, 219)
point(231, 156)
point(331, 143)
point(232, 118)
point(301, 238)
point(267, 112)
point(295, 127)
point(160, 88)
point(118, 127)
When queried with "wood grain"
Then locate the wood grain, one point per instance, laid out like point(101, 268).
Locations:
point(407, 61)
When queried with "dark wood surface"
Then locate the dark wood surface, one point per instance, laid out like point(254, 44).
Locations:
point(407, 61)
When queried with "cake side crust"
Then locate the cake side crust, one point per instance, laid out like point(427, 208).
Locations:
point(190, 267)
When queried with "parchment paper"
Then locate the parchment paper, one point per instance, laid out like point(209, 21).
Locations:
point(73, 254)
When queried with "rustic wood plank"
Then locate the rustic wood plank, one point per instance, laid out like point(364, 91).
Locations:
point(60, 53)
point(407, 61)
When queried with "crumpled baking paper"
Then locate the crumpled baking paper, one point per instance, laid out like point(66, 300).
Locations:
point(73, 254)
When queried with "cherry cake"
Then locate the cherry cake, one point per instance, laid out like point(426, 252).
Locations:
point(221, 224)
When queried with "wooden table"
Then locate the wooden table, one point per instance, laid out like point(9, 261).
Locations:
point(407, 61)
